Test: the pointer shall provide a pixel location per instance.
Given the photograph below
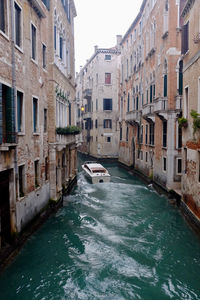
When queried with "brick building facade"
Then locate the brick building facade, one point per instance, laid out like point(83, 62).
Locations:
point(30, 78)
point(190, 18)
point(97, 92)
point(150, 96)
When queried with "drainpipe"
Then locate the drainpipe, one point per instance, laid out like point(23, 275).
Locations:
point(15, 175)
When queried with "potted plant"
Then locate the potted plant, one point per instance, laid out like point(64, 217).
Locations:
point(196, 120)
point(183, 122)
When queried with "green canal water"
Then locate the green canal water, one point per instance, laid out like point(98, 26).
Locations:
point(112, 241)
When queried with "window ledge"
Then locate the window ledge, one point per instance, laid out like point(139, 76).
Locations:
point(4, 35)
point(6, 147)
point(21, 133)
point(36, 133)
point(19, 49)
point(34, 61)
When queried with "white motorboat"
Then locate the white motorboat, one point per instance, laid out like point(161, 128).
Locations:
point(96, 172)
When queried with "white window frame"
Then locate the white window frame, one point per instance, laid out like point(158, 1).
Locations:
point(21, 25)
point(36, 48)
point(7, 22)
point(177, 159)
point(38, 110)
point(22, 132)
point(164, 157)
point(24, 180)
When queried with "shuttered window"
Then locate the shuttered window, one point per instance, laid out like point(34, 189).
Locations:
point(185, 38)
point(165, 86)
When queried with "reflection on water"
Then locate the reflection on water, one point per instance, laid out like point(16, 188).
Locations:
point(119, 240)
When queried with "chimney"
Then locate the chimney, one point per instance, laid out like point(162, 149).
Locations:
point(95, 48)
point(119, 39)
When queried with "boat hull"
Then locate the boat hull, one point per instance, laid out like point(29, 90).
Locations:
point(96, 178)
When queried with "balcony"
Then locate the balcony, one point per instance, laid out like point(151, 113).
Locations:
point(160, 105)
point(63, 140)
point(87, 94)
point(133, 116)
point(87, 115)
point(148, 110)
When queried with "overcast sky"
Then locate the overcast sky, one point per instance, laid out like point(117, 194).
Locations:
point(98, 22)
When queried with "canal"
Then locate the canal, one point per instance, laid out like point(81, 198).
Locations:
point(112, 241)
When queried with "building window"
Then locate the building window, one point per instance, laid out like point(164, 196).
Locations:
point(45, 120)
point(44, 48)
point(179, 137)
point(107, 57)
point(127, 133)
point(141, 155)
point(166, 12)
point(3, 16)
point(33, 41)
point(7, 115)
point(151, 134)
point(180, 78)
point(35, 115)
point(185, 38)
point(165, 86)
point(164, 164)
point(146, 134)
point(61, 47)
point(107, 123)
point(141, 135)
point(19, 111)
point(128, 103)
point(179, 166)
point(185, 160)
point(165, 134)
point(107, 78)
point(36, 169)
point(108, 139)
point(120, 133)
point(107, 104)
point(21, 181)
point(18, 30)
point(96, 104)
point(186, 101)
point(55, 39)
point(46, 168)
point(96, 123)
point(46, 3)
point(146, 159)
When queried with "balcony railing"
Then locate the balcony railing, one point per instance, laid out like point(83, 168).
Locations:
point(87, 115)
point(148, 110)
point(87, 93)
point(133, 116)
point(160, 104)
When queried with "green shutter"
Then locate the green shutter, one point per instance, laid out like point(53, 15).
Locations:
point(165, 85)
point(10, 116)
